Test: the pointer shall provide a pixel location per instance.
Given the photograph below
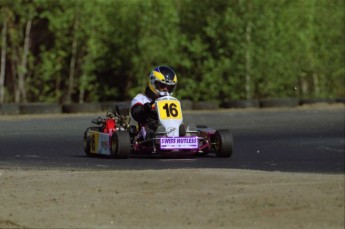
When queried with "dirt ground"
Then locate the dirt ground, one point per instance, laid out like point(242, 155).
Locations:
point(178, 198)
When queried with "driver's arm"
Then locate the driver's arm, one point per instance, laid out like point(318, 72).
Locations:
point(140, 112)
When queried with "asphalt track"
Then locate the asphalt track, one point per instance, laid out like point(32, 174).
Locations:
point(291, 140)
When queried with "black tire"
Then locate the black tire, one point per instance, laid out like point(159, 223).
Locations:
point(87, 143)
point(9, 109)
point(81, 108)
point(340, 100)
point(223, 143)
point(279, 102)
point(245, 103)
point(203, 105)
point(186, 105)
point(120, 144)
point(317, 100)
point(39, 108)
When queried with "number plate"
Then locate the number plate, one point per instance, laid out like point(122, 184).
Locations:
point(169, 109)
point(179, 143)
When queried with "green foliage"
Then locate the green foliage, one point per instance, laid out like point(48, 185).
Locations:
point(221, 50)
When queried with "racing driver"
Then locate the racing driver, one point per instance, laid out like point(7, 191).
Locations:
point(162, 82)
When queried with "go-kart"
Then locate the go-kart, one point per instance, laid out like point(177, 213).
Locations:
point(115, 137)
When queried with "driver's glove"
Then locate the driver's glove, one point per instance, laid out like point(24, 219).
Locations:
point(148, 106)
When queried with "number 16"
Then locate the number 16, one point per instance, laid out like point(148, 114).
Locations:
point(171, 109)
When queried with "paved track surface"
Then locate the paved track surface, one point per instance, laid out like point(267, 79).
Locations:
point(294, 140)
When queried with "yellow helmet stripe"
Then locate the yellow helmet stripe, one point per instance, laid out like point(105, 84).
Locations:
point(159, 76)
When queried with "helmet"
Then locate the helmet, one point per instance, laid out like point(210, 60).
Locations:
point(162, 81)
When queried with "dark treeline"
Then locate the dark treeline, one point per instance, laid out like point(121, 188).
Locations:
point(100, 50)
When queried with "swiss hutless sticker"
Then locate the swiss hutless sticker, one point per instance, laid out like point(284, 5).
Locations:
point(179, 143)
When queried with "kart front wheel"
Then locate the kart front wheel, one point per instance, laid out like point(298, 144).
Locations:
point(223, 143)
point(120, 144)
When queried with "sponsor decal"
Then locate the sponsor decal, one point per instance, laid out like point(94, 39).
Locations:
point(100, 143)
point(94, 142)
point(103, 146)
point(179, 143)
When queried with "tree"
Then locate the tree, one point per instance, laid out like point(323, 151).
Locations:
point(157, 41)
point(101, 50)
point(19, 44)
point(3, 53)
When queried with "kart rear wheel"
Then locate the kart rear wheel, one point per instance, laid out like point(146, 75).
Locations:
point(120, 144)
point(223, 143)
point(86, 144)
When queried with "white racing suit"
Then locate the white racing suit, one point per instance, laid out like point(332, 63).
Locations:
point(143, 112)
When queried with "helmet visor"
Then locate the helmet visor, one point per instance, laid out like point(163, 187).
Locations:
point(160, 86)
